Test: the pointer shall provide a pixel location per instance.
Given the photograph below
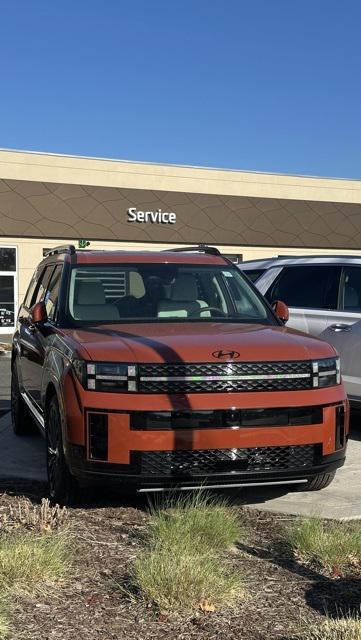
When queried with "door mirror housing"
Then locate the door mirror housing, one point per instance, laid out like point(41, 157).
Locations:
point(281, 310)
point(38, 313)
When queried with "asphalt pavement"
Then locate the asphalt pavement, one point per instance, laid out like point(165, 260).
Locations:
point(23, 459)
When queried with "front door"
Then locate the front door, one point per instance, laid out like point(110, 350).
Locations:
point(32, 341)
point(8, 289)
point(310, 291)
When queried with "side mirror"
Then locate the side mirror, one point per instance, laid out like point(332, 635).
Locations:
point(38, 313)
point(281, 310)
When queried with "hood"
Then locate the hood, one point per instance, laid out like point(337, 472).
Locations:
point(198, 342)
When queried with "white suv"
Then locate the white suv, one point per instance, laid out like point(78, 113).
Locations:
point(323, 294)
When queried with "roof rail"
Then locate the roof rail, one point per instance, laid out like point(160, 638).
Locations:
point(63, 248)
point(201, 248)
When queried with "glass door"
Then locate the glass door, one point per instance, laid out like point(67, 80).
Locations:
point(8, 289)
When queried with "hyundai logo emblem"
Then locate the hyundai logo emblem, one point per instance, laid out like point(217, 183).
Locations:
point(229, 355)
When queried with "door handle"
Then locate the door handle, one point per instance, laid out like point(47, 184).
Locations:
point(340, 327)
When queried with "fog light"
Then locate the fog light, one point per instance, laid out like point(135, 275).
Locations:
point(340, 428)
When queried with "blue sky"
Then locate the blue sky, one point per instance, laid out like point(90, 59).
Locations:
point(266, 85)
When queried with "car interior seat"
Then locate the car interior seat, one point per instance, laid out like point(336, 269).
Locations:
point(183, 300)
point(90, 302)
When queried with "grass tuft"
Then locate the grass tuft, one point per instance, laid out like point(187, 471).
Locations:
point(348, 628)
point(176, 579)
point(4, 626)
point(182, 565)
point(200, 519)
point(330, 545)
point(27, 560)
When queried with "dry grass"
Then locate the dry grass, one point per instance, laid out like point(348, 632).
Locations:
point(330, 545)
point(27, 560)
point(43, 518)
point(4, 626)
point(181, 567)
point(335, 629)
point(177, 579)
point(199, 519)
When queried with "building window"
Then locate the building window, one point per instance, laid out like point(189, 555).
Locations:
point(234, 257)
point(7, 259)
point(8, 288)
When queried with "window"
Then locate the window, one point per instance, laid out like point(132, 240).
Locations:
point(234, 257)
point(350, 299)
point(43, 284)
point(163, 292)
point(253, 274)
point(309, 287)
point(30, 292)
point(51, 297)
point(7, 259)
point(7, 301)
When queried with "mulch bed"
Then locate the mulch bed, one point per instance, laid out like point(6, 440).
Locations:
point(91, 605)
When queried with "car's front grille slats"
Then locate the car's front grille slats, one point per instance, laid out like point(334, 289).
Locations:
point(225, 377)
point(211, 461)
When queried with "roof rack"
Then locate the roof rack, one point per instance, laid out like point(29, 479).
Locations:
point(63, 248)
point(201, 248)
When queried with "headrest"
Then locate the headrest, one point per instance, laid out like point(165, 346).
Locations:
point(90, 292)
point(184, 288)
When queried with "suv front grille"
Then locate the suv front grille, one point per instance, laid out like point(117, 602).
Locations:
point(225, 377)
point(209, 461)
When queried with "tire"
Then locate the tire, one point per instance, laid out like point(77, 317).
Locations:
point(321, 481)
point(63, 488)
point(22, 422)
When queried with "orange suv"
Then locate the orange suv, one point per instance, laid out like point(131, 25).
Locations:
point(169, 369)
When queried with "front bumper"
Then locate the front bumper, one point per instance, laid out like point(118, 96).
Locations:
point(126, 475)
point(110, 452)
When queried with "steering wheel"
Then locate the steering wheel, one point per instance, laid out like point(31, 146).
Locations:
point(202, 309)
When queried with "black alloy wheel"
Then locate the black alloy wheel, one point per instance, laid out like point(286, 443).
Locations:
point(63, 487)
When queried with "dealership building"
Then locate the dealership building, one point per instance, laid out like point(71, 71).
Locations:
point(47, 199)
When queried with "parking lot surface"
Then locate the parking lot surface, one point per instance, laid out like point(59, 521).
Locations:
point(24, 459)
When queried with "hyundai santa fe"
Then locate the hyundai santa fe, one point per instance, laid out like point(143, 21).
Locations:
point(169, 369)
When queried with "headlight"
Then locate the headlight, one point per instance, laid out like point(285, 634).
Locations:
point(106, 376)
point(326, 372)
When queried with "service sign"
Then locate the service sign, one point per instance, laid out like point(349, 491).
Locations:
point(152, 217)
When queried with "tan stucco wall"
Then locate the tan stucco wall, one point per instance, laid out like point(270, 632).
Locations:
point(18, 165)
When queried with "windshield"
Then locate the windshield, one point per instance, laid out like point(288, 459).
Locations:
point(163, 293)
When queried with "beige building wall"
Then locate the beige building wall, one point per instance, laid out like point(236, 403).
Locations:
point(45, 167)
